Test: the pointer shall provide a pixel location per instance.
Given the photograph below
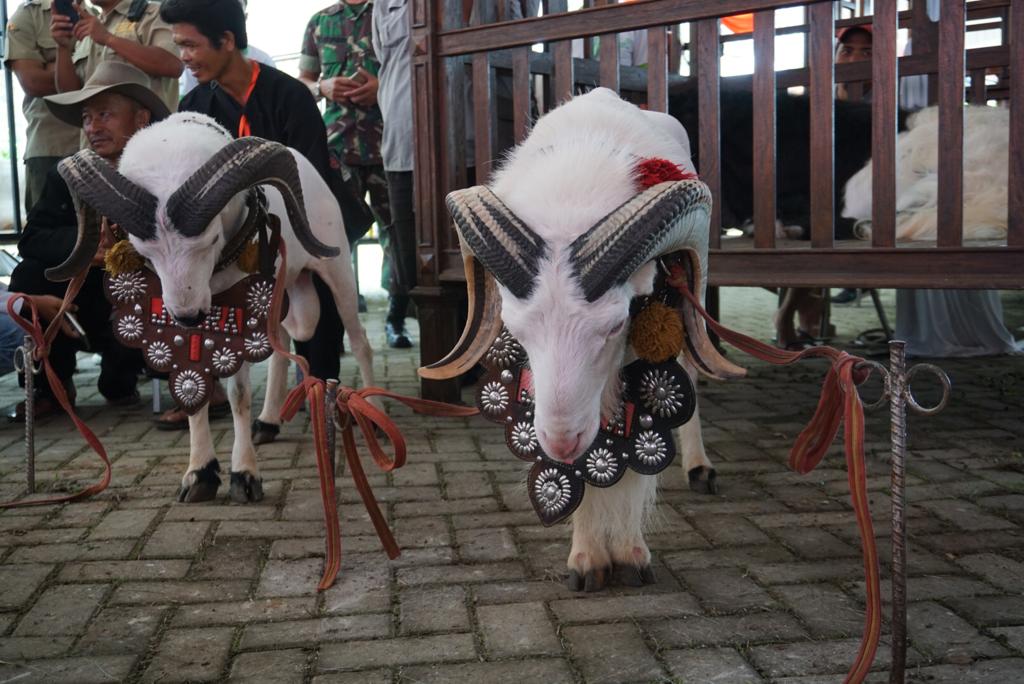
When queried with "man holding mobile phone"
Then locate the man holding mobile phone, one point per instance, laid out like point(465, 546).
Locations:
point(338, 64)
point(128, 31)
point(31, 54)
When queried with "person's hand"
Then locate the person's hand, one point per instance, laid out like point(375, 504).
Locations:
point(90, 26)
point(62, 30)
point(106, 242)
point(47, 307)
point(337, 89)
point(365, 94)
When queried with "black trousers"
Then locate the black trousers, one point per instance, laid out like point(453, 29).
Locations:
point(323, 349)
point(403, 240)
point(119, 367)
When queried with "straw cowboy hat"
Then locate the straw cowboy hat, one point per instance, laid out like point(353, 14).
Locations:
point(117, 77)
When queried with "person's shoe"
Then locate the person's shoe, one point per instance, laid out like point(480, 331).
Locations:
point(128, 400)
point(397, 337)
point(846, 296)
point(45, 406)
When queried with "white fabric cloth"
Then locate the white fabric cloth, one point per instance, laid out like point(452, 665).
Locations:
point(948, 323)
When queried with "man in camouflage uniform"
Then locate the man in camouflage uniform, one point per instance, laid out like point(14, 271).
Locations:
point(31, 54)
point(338, 63)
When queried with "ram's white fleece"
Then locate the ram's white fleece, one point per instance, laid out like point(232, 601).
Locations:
point(577, 163)
point(986, 150)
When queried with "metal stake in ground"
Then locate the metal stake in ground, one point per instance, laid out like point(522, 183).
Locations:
point(896, 388)
point(24, 362)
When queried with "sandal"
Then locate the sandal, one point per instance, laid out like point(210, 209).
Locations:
point(803, 340)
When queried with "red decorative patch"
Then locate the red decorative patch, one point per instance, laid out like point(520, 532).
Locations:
point(655, 170)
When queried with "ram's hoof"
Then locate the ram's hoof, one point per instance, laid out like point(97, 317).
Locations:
point(200, 485)
point(246, 487)
point(631, 576)
point(594, 580)
point(264, 433)
point(703, 480)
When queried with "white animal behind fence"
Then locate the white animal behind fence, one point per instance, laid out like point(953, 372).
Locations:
point(985, 184)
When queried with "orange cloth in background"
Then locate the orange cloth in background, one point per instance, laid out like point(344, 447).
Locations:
point(739, 23)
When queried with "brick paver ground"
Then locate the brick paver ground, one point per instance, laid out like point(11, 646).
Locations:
point(762, 582)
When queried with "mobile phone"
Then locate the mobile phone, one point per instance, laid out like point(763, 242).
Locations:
point(70, 318)
point(67, 9)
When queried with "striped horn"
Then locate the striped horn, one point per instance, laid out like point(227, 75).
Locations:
point(665, 218)
point(238, 166)
point(506, 247)
point(483, 323)
point(96, 186)
point(700, 350)
point(85, 246)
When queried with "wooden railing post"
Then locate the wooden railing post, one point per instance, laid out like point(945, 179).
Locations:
point(436, 303)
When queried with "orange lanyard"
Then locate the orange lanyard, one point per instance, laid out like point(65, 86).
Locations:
point(243, 123)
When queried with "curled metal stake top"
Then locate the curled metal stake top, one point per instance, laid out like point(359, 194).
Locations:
point(946, 389)
point(908, 395)
point(883, 373)
point(24, 357)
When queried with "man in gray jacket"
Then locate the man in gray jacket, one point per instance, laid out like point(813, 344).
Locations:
point(394, 96)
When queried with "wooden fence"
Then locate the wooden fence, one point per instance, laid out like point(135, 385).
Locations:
point(508, 80)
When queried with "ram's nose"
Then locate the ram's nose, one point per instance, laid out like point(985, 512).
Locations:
point(564, 446)
point(190, 318)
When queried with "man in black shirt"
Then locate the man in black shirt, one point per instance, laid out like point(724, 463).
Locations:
point(249, 98)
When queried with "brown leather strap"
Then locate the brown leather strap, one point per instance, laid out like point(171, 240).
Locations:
point(353, 407)
point(43, 340)
point(839, 403)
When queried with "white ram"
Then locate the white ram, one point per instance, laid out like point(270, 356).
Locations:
point(571, 188)
point(985, 170)
point(179, 193)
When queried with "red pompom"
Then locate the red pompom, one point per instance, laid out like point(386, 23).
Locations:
point(652, 171)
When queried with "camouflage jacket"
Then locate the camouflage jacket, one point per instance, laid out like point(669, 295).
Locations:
point(337, 42)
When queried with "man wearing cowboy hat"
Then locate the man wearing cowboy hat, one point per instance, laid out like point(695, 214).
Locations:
point(113, 105)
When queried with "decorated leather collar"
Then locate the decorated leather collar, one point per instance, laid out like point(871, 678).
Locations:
point(656, 397)
point(234, 331)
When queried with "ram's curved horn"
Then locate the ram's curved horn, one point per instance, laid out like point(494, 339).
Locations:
point(665, 218)
point(506, 246)
point(699, 349)
point(483, 324)
point(95, 183)
point(85, 247)
point(238, 166)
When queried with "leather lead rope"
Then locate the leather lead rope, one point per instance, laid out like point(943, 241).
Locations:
point(353, 408)
point(839, 403)
point(43, 340)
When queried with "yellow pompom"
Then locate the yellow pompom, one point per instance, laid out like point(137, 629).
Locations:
point(122, 258)
point(657, 333)
point(249, 259)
